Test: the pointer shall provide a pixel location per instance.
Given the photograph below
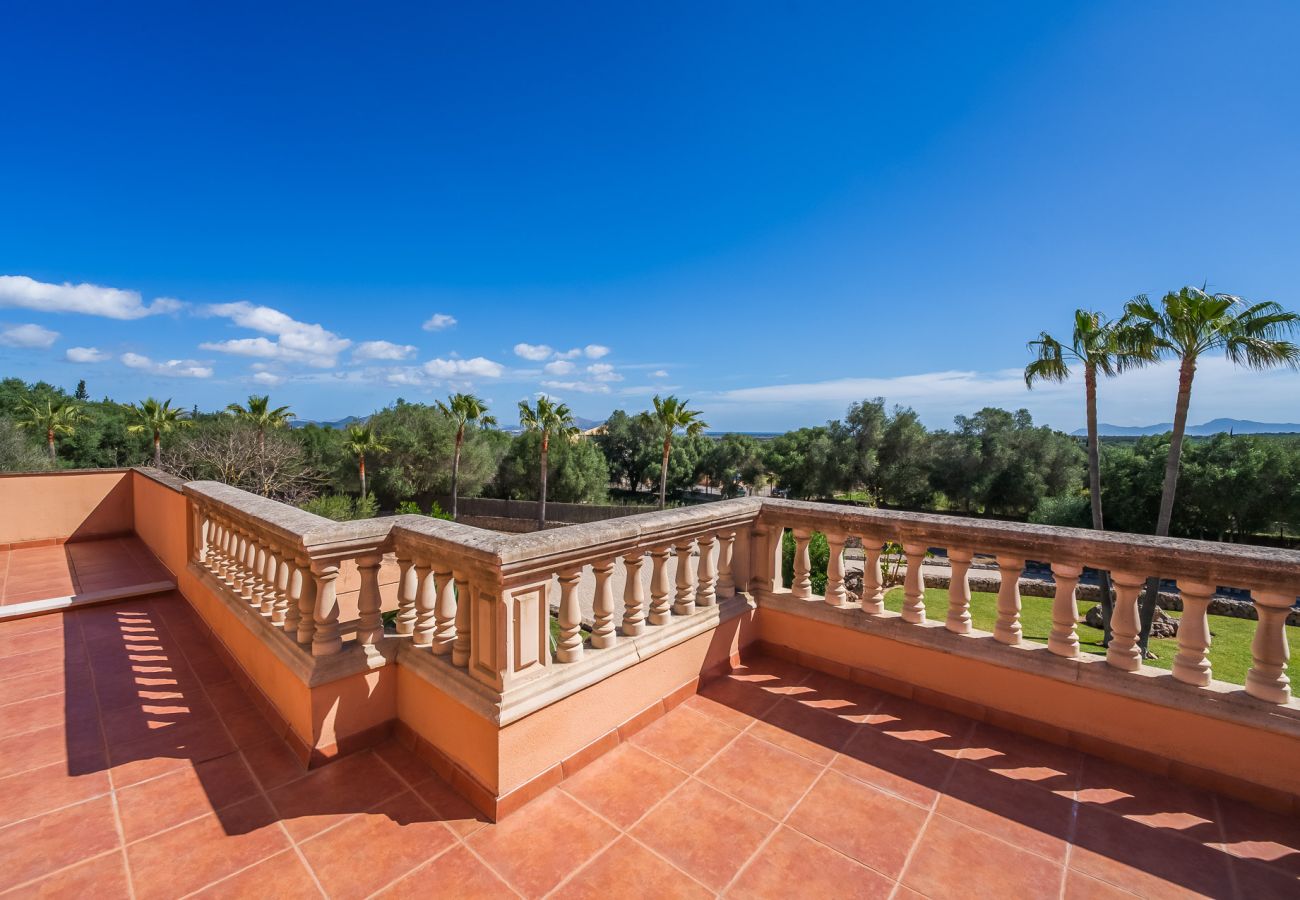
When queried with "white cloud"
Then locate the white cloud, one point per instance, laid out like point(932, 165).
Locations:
point(583, 387)
point(267, 378)
point(558, 367)
point(173, 368)
point(439, 321)
point(535, 352)
point(569, 354)
point(382, 350)
point(27, 336)
point(603, 372)
point(478, 367)
point(89, 299)
point(595, 351)
point(407, 377)
point(295, 341)
point(658, 373)
point(85, 355)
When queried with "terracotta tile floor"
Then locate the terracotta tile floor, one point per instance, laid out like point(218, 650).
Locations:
point(40, 573)
point(131, 764)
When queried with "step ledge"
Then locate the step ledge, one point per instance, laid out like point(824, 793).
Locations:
point(76, 601)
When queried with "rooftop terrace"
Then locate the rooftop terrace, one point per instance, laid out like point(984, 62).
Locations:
point(758, 742)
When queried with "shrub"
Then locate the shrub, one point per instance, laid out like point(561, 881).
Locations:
point(366, 507)
point(332, 506)
point(409, 508)
point(819, 556)
point(437, 512)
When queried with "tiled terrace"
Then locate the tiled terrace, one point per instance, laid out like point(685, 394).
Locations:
point(61, 570)
point(132, 763)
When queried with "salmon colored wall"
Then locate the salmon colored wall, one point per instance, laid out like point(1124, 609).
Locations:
point(71, 505)
point(544, 739)
point(352, 706)
point(458, 732)
point(160, 520)
point(1164, 731)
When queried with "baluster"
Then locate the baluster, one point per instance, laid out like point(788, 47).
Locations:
point(444, 612)
point(959, 591)
point(836, 595)
point(914, 584)
point(306, 602)
point(873, 587)
point(726, 552)
point(247, 567)
point(569, 647)
point(258, 561)
point(685, 604)
point(633, 595)
point(269, 576)
point(1007, 630)
point(706, 593)
point(1064, 639)
point(282, 578)
point(204, 535)
point(602, 632)
point(760, 579)
point(408, 586)
point(1191, 663)
point(462, 646)
point(426, 599)
point(801, 583)
point(661, 598)
point(293, 597)
point(1123, 652)
point(225, 560)
point(325, 639)
point(1267, 678)
point(370, 620)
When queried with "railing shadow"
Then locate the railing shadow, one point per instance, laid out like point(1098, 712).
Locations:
point(1024, 790)
point(149, 699)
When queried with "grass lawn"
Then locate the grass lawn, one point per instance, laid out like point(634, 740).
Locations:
point(1229, 647)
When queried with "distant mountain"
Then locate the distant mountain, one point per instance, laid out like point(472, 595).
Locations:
point(339, 424)
point(1214, 426)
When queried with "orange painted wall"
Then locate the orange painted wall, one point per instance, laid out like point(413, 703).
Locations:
point(545, 738)
point(71, 505)
point(1167, 732)
point(160, 520)
point(458, 732)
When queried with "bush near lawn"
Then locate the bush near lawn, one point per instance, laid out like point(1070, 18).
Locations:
point(1229, 645)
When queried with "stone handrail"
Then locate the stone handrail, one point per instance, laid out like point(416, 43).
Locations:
point(482, 601)
point(1200, 567)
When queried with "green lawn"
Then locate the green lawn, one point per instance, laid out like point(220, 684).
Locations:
point(1229, 648)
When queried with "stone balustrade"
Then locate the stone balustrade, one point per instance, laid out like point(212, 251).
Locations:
point(481, 603)
point(1199, 568)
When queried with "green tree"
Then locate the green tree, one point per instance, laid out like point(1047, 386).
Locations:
point(1188, 324)
point(17, 452)
point(901, 476)
point(729, 459)
point(362, 439)
point(157, 418)
point(260, 414)
point(463, 409)
point(806, 463)
point(671, 416)
point(81, 394)
point(547, 418)
point(576, 471)
point(1102, 347)
point(53, 417)
point(629, 445)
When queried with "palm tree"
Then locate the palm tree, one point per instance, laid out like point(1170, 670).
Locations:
point(1188, 324)
point(156, 418)
point(54, 417)
point(1100, 346)
point(549, 418)
point(463, 409)
point(670, 415)
point(362, 439)
point(259, 414)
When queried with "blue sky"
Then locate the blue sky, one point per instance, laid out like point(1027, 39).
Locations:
point(772, 209)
